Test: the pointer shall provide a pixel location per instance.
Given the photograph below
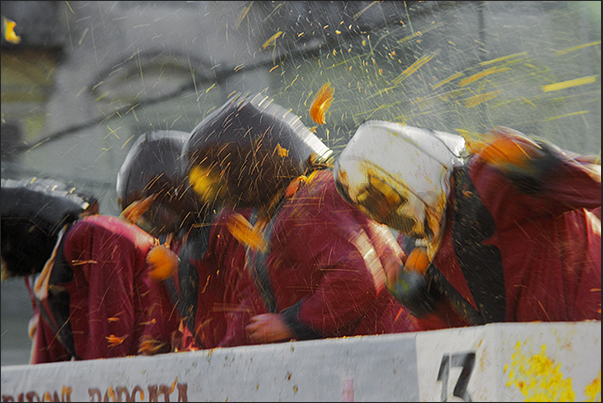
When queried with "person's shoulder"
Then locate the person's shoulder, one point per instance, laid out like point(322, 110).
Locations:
point(320, 187)
point(111, 226)
point(322, 200)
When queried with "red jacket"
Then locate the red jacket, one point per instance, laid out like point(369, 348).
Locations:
point(99, 282)
point(197, 289)
point(324, 269)
point(520, 249)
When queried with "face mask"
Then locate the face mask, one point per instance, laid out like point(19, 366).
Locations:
point(399, 175)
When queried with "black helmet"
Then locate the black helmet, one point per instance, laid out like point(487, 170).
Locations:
point(248, 150)
point(33, 213)
point(152, 167)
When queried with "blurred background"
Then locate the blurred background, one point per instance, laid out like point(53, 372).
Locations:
point(81, 80)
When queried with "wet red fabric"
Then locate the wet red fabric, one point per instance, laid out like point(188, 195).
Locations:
point(115, 309)
point(210, 324)
point(240, 300)
point(326, 260)
point(549, 243)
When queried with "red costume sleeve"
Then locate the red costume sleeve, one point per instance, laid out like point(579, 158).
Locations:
point(560, 182)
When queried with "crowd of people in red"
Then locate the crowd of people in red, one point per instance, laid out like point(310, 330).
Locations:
point(248, 230)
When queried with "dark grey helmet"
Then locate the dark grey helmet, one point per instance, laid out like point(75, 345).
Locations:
point(248, 150)
point(152, 167)
point(33, 213)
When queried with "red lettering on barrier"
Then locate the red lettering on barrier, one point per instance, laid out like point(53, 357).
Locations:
point(182, 392)
point(166, 391)
point(51, 398)
point(33, 396)
point(94, 392)
point(152, 393)
point(129, 397)
point(117, 394)
point(110, 393)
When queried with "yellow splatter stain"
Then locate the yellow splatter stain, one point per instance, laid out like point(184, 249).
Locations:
point(487, 72)
point(538, 377)
point(593, 390)
point(478, 99)
point(474, 142)
point(569, 84)
point(282, 152)
point(414, 67)
point(359, 13)
point(205, 183)
point(500, 59)
point(447, 80)
point(564, 51)
point(567, 114)
point(243, 14)
point(272, 39)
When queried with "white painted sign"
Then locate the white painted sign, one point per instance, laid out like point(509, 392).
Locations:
point(496, 362)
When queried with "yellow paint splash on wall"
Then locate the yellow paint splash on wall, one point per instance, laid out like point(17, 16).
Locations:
point(593, 390)
point(538, 377)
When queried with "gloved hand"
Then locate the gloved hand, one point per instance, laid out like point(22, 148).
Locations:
point(409, 285)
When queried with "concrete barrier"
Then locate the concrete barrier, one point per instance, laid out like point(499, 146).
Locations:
point(495, 362)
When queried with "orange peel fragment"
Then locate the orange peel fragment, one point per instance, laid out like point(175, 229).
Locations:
point(136, 209)
point(418, 260)
point(321, 103)
point(245, 233)
point(510, 149)
point(163, 262)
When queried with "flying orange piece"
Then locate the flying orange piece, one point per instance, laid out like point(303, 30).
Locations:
point(245, 233)
point(164, 262)
point(114, 340)
point(8, 31)
point(136, 209)
point(418, 260)
point(508, 150)
point(322, 102)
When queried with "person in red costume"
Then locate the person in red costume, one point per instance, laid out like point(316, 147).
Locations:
point(508, 230)
point(87, 274)
point(153, 194)
point(301, 263)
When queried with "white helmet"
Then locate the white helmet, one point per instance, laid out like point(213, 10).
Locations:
point(399, 175)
